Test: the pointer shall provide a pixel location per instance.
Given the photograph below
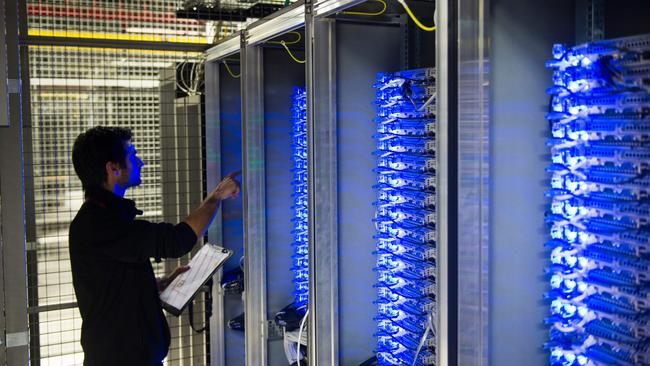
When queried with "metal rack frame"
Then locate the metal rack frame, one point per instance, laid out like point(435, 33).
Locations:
point(322, 124)
point(323, 232)
point(14, 141)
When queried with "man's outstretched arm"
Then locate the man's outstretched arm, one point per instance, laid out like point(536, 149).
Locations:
point(199, 220)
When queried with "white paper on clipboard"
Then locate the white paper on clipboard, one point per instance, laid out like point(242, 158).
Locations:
point(202, 266)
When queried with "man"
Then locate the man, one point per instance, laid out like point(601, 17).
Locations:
point(117, 293)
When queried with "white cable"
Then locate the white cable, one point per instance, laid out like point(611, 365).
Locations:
point(181, 77)
point(431, 99)
point(193, 78)
point(177, 80)
point(186, 86)
point(302, 324)
point(200, 76)
point(289, 346)
point(429, 327)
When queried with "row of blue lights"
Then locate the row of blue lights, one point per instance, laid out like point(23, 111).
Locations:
point(600, 209)
point(405, 217)
point(299, 156)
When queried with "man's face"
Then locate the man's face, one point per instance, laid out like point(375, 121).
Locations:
point(130, 174)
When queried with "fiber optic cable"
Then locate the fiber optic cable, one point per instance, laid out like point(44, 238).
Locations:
point(362, 13)
point(415, 19)
point(229, 70)
point(284, 44)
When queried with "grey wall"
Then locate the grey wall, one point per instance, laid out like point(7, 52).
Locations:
point(523, 33)
point(362, 51)
point(626, 18)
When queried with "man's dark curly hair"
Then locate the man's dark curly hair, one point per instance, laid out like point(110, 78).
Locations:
point(94, 148)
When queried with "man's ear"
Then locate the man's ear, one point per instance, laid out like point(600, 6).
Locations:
point(112, 169)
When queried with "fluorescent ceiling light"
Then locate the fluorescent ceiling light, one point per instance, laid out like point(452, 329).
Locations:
point(120, 83)
point(175, 32)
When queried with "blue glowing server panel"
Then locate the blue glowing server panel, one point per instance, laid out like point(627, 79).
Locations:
point(299, 220)
point(406, 218)
point(599, 206)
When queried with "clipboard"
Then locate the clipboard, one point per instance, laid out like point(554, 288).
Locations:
point(203, 265)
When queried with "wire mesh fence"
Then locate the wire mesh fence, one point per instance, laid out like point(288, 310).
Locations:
point(73, 88)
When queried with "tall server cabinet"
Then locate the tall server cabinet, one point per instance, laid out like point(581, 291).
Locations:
point(567, 214)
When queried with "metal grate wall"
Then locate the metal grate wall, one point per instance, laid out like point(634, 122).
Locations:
point(75, 85)
point(73, 89)
point(140, 20)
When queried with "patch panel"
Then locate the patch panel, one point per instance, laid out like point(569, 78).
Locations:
point(406, 217)
point(423, 200)
point(300, 257)
point(406, 127)
point(406, 91)
point(388, 178)
point(598, 215)
point(628, 49)
point(595, 128)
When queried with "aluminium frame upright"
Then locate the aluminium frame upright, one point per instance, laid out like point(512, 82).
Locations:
point(15, 139)
point(323, 181)
point(256, 34)
point(216, 53)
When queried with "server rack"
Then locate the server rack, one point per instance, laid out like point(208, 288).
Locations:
point(348, 49)
point(522, 36)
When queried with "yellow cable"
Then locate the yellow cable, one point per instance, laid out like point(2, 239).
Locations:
point(230, 71)
point(283, 43)
point(416, 20)
point(292, 42)
point(382, 11)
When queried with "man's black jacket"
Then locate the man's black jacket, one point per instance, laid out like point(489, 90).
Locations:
point(122, 318)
